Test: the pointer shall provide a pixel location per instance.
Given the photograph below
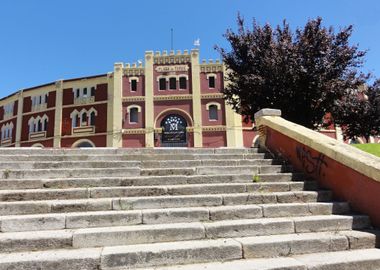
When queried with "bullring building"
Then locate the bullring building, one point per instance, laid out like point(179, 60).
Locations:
point(174, 100)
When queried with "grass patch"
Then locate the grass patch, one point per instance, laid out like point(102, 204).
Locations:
point(372, 148)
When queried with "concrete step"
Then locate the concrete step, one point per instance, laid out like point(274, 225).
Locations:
point(366, 259)
point(137, 191)
point(18, 223)
point(59, 173)
point(25, 165)
point(165, 201)
point(155, 233)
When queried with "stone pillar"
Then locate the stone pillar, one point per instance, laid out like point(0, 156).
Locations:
point(58, 113)
point(261, 128)
point(196, 89)
point(149, 106)
point(114, 108)
point(233, 123)
point(19, 118)
point(339, 133)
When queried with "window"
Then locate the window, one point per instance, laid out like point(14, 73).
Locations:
point(74, 121)
point(133, 115)
point(93, 91)
point(78, 93)
point(92, 119)
point(211, 82)
point(45, 124)
point(182, 83)
point(85, 92)
point(83, 121)
point(162, 84)
point(134, 85)
point(213, 112)
point(172, 83)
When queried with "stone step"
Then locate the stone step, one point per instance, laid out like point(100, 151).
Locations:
point(137, 191)
point(156, 233)
point(210, 170)
point(212, 162)
point(124, 151)
point(162, 216)
point(366, 259)
point(59, 173)
point(30, 165)
point(192, 255)
point(131, 157)
point(266, 183)
point(122, 181)
point(152, 202)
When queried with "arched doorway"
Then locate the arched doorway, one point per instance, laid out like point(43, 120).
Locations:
point(174, 131)
point(83, 144)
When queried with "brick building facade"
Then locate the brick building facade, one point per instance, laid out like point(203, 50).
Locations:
point(173, 100)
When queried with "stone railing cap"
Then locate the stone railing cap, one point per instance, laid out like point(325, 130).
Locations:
point(267, 112)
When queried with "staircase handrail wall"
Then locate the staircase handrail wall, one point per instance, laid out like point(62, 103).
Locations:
point(352, 174)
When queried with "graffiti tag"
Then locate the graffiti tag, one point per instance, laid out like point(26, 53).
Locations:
point(312, 165)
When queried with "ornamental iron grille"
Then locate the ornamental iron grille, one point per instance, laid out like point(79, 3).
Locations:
point(174, 131)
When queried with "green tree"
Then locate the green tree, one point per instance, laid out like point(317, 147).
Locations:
point(305, 73)
point(359, 113)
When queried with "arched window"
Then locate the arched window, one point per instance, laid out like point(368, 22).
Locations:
point(45, 124)
point(182, 83)
point(133, 115)
point(39, 125)
point(74, 120)
point(172, 83)
point(92, 119)
point(162, 84)
point(83, 120)
point(213, 112)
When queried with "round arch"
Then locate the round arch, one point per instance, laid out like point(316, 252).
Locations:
point(184, 114)
point(38, 145)
point(82, 143)
point(255, 141)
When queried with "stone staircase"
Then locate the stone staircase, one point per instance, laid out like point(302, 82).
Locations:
point(172, 209)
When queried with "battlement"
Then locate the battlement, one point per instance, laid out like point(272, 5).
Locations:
point(211, 65)
point(170, 53)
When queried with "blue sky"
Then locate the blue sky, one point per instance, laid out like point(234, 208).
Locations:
point(46, 40)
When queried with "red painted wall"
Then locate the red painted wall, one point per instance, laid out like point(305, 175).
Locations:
point(214, 139)
point(127, 87)
point(101, 92)
point(68, 96)
point(100, 119)
point(1, 113)
point(99, 141)
point(50, 127)
point(248, 137)
point(218, 83)
point(347, 184)
point(173, 105)
point(133, 140)
point(205, 113)
point(45, 143)
point(171, 92)
point(141, 115)
point(51, 99)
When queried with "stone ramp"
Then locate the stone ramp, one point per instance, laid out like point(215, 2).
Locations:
point(172, 209)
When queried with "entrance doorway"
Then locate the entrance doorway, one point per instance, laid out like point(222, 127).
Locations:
point(174, 131)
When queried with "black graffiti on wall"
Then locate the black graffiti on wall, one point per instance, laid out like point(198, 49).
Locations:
point(311, 164)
